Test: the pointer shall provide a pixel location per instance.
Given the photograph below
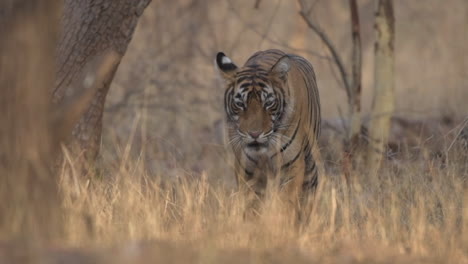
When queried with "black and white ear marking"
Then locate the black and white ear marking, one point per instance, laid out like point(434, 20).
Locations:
point(224, 63)
point(282, 67)
point(226, 67)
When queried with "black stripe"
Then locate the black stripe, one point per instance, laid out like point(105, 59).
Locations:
point(254, 65)
point(277, 52)
point(244, 85)
point(252, 73)
point(309, 159)
point(243, 78)
point(247, 70)
point(227, 99)
point(310, 185)
point(309, 99)
point(307, 150)
point(262, 78)
point(261, 71)
point(281, 99)
point(287, 165)
point(285, 146)
point(312, 167)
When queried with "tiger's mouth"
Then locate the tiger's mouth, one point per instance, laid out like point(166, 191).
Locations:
point(255, 145)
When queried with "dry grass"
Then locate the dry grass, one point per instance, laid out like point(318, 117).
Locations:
point(410, 212)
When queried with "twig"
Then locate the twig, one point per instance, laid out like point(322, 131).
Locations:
point(324, 37)
point(273, 41)
point(312, 6)
point(463, 124)
point(270, 23)
point(257, 4)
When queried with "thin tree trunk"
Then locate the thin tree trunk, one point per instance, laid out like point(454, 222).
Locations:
point(89, 29)
point(355, 100)
point(352, 140)
point(383, 104)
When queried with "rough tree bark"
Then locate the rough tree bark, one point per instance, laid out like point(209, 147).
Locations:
point(383, 104)
point(91, 28)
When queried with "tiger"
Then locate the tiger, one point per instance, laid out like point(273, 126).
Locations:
point(273, 122)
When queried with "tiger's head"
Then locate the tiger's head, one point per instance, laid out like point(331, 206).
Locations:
point(255, 102)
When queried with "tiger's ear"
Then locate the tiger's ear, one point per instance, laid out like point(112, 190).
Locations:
point(281, 68)
point(225, 66)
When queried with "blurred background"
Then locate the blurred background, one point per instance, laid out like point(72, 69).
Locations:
point(167, 101)
point(164, 119)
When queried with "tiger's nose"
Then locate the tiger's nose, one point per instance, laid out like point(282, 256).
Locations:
point(255, 134)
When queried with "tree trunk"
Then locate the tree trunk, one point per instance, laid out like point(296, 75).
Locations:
point(28, 190)
point(355, 100)
point(352, 142)
point(383, 104)
point(31, 128)
point(89, 29)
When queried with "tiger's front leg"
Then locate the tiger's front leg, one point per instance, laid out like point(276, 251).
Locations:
point(252, 182)
point(291, 188)
point(249, 189)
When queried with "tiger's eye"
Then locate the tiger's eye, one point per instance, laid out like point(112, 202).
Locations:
point(269, 102)
point(239, 104)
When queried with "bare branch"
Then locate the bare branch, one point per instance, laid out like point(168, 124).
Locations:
point(270, 23)
point(326, 40)
point(312, 6)
point(257, 4)
point(273, 41)
point(463, 126)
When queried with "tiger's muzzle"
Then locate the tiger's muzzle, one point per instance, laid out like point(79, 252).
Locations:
point(256, 140)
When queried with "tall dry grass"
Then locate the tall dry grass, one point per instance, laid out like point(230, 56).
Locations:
point(413, 210)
